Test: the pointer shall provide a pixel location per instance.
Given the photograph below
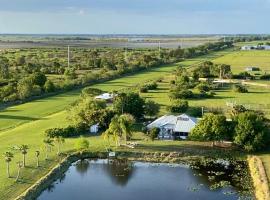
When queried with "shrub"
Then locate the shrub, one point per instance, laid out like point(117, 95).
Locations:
point(143, 89)
point(153, 133)
point(240, 89)
point(181, 94)
point(49, 86)
point(178, 106)
point(265, 77)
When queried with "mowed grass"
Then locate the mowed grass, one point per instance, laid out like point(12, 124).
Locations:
point(26, 124)
point(239, 60)
point(36, 110)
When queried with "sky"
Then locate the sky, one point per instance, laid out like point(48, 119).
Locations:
point(135, 16)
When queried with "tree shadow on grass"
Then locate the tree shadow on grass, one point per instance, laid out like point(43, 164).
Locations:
point(19, 117)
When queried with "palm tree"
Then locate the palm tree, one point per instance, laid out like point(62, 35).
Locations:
point(37, 153)
point(20, 165)
point(48, 144)
point(24, 150)
point(119, 127)
point(8, 157)
point(59, 140)
point(126, 121)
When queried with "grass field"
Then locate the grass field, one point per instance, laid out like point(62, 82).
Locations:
point(26, 123)
point(239, 60)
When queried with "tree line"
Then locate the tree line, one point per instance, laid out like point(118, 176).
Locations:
point(25, 73)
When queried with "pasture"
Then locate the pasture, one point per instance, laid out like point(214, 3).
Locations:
point(239, 60)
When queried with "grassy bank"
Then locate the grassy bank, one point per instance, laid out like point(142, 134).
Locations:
point(259, 178)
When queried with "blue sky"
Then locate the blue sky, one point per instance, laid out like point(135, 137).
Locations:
point(135, 16)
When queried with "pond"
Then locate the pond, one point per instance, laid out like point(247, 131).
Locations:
point(122, 179)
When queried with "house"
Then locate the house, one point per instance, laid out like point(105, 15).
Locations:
point(106, 96)
point(252, 69)
point(174, 127)
point(265, 47)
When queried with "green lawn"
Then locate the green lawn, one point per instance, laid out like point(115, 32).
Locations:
point(26, 123)
point(239, 60)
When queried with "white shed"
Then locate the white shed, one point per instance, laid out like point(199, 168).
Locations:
point(94, 128)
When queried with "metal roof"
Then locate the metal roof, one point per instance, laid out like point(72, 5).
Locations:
point(181, 123)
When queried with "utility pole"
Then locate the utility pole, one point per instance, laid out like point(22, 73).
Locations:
point(126, 51)
point(159, 48)
point(68, 56)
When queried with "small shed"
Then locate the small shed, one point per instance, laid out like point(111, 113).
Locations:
point(94, 128)
point(252, 69)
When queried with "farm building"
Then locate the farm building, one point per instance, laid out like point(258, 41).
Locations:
point(252, 69)
point(174, 127)
point(257, 47)
point(265, 47)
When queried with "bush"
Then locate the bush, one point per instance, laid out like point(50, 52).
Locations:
point(251, 131)
point(243, 75)
point(91, 92)
point(181, 94)
point(265, 77)
point(49, 86)
point(240, 89)
point(143, 89)
point(178, 106)
point(153, 133)
point(204, 87)
point(70, 131)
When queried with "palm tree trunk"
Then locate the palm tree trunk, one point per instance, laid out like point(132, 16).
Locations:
point(46, 156)
point(58, 149)
point(18, 174)
point(8, 173)
point(23, 160)
point(37, 162)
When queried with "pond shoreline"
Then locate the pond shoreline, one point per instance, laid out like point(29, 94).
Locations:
point(55, 173)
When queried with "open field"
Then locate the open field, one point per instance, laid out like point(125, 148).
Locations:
point(98, 41)
point(239, 60)
point(26, 123)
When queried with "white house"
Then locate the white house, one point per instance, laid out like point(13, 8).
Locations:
point(174, 127)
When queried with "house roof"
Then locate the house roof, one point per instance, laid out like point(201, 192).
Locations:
point(181, 123)
point(105, 96)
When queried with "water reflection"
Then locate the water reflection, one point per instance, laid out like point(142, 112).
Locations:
point(121, 179)
point(119, 171)
point(82, 166)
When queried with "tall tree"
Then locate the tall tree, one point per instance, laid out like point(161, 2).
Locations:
point(24, 150)
point(120, 128)
point(251, 131)
point(8, 158)
point(59, 141)
point(4, 67)
point(48, 142)
point(130, 103)
point(37, 154)
point(210, 128)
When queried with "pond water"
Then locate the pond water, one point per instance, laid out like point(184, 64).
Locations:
point(122, 180)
